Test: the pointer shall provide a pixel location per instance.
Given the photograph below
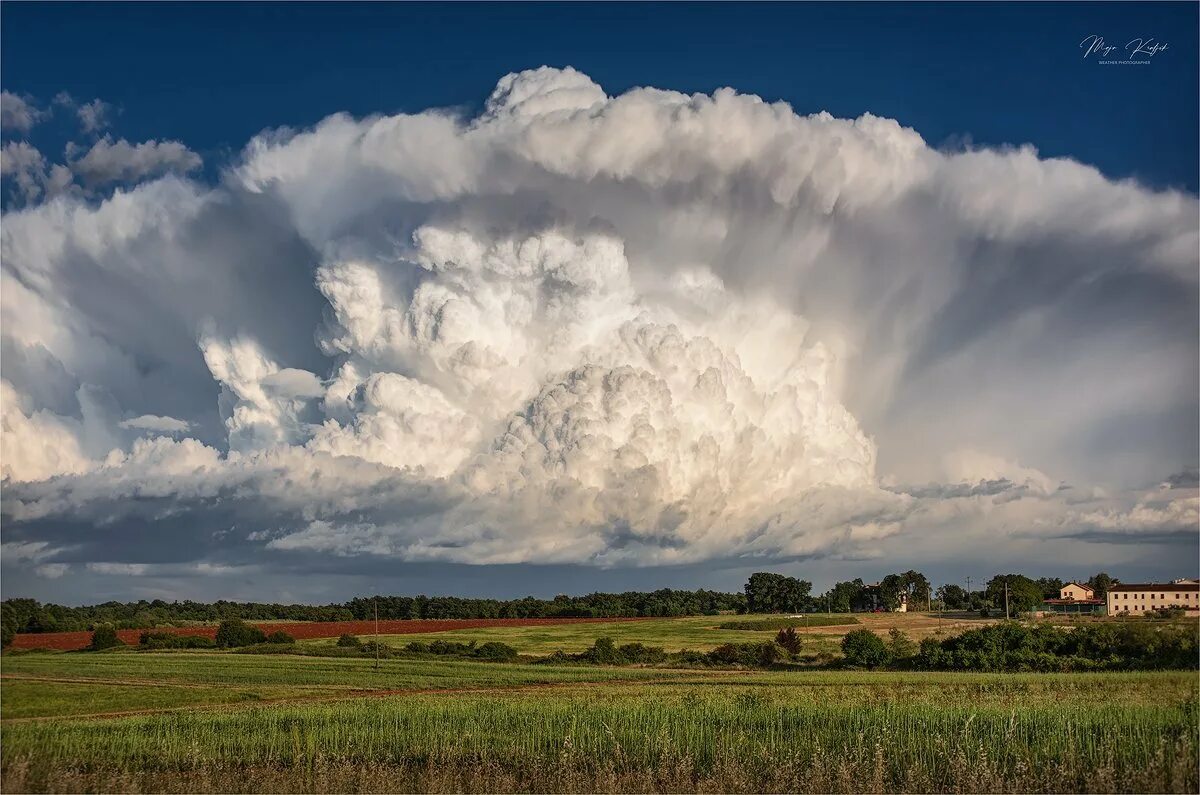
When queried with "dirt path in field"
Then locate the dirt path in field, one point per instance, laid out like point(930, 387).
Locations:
point(348, 694)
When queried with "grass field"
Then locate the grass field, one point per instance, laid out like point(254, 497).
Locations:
point(822, 632)
point(203, 721)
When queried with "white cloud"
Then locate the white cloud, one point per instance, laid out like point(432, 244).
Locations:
point(18, 113)
point(93, 116)
point(120, 161)
point(52, 571)
point(155, 423)
point(119, 569)
point(652, 328)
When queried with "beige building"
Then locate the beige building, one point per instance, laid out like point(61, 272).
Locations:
point(1140, 598)
point(1074, 590)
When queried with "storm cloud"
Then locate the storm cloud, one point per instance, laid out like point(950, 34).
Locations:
point(644, 330)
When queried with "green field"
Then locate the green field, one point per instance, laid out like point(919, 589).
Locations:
point(673, 634)
point(217, 721)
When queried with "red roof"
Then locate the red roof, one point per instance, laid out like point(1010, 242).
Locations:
point(1156, 586)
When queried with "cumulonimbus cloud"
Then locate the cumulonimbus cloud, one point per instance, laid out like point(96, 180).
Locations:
point(652, 328)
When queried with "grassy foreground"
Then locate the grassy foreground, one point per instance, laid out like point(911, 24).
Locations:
point(225, 722)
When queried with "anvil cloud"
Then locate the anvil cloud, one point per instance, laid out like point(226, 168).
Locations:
point(647, 329)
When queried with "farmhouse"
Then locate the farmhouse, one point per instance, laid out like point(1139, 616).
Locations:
point(1137, 599)
point(1075, 597)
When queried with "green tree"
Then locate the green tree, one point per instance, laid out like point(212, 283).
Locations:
point(953, 597)
point(911, 584)
point(6, 634)
point(1100, 583)
point(774, 593)
point(235, 632)
point(900, 646)
point(1051, 586)
point(863, 647)
point(1023, 593)
point(105, 637)
point(789, 640)
point(845, 597)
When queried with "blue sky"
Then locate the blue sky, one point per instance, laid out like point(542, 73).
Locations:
point(506, 329)
point(989, 73)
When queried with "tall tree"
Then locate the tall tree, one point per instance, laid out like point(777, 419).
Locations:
point(767, 592)
point(1023, 593)
point(1051, 586)
point(1100, 583)
point(953, 597)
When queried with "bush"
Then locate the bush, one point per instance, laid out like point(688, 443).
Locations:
point(349, 642)
point(235, 632)
point(901, 646)
point(1090, 647)
point(374, 649)
point(105, 637)
point(279, 636)
point(640, 654)
point(1170, 612)
point(497, 652)
point(603, 652)
point(753, 655)
point(789, 640)
point(781, 622)
point(169, 640)
point(863, 647)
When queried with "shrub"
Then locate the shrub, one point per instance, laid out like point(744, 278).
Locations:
point(105, 637)
point(500, 652)
point(754, 655)
point(789, 640)
point(641, 654)
point(279, 636)
point(375, 649)
point(863, 647)
point(1013, 647)
point(169, 640)
point(349, 642)
point(603, 652)
point(197, 642)
point(901, 646)
point(235, 632)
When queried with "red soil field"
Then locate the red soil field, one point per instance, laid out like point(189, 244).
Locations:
point(68, 641)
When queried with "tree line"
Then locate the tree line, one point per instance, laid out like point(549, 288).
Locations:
point(1012, 646)
point(29, 615)
point(765, 592)
point(775, 593)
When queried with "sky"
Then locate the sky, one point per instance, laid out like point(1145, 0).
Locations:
point(303, 302)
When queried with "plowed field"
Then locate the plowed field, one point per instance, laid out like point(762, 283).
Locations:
point(67, 641)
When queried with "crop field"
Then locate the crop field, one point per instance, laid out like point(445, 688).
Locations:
point(821, 632)
point(68, 641)
point(218, 721)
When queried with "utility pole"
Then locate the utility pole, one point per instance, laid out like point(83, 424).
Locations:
point(376, 632)
point(968, 593)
